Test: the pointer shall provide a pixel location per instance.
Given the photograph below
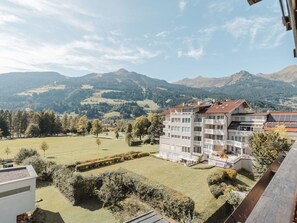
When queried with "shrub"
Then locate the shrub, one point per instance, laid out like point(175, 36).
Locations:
point(75, 187)
point(216, 177)
point(135, 142)
point(97, 163)
point(38, 164)
point(170, 202)
point(23, 154)
point(230, 173)
point(147, 141)
point(217, 190)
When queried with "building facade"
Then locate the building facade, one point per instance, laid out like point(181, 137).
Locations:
point(17, 192)
point(213, 132)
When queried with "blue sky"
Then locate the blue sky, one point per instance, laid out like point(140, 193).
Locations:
point(166, 39)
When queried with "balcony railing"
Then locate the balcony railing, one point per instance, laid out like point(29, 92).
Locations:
point(215, 142)
point(198, 124)
point(215, 121)
point(196, 133)
point(237, 144)
point(214, 132)
point(197, 143)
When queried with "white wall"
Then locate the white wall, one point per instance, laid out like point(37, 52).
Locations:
point(14, 205)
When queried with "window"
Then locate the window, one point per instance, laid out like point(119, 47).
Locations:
point(186, 129)
point(186, 120)
point(212, 117)
point(186, 137)
point(186, 149)
point(197, 138)
point(197, 149)
point(220, 127)
point(219, 137)
point(220, 117)
point(197, 129)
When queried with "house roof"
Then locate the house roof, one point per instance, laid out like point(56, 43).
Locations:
point(290, 126)
point(150, 217)
point(225, 106)
point(250, 114)
point(16, 173)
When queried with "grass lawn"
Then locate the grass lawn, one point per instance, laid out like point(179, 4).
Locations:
point(189, 181)
point(59, 210)
point(66, 150)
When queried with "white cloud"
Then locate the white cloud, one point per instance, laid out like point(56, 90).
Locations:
point(162, 34)
point(221, 6)
point(90, 53)
point(70, 14)
point(7, 18)
point(182, 5)
point(193, 53)
point(261, 32)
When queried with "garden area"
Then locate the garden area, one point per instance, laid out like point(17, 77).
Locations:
point(191, 182)
point(66, 150)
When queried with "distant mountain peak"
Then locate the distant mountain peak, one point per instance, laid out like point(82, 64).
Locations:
point(122, 71)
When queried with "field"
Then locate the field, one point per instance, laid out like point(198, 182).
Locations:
point(189, 181)
point(59, 210)
point(65, 150)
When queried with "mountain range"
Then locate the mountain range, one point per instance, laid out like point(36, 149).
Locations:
point(125, 94)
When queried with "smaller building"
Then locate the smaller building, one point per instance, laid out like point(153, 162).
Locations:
point(17, 192)
point(287, 119)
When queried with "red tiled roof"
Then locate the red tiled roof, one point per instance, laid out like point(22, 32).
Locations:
point(225, 106)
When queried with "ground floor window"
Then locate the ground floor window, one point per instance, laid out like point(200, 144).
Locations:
point(186, 149)
point(197, 149)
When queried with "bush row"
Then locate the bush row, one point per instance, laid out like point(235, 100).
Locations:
point(75, 187)
point(109, 161)
point(172, 203)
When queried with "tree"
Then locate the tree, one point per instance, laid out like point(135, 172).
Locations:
point(117, 134)
point(281, 130)
point(128, 138)
point(98, 142)
point(140, 126)
point(156, 128)
point(38, 164)
point(265, 147)
point(7, 151)
point(32, 130)
point(82, 125)
point(96, 127)
point(23, 154)
point(44, 147)
point(129, 128)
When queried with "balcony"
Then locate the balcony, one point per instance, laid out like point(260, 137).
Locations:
point(196, 133)
point(197, 143)
point(215, 121)
point(240, 145)
point(166, 122)
point(214, 132)
point(215, 142)
point(198, 124)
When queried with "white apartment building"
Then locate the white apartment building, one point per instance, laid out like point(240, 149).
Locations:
point(17, 192)
point(213, 132)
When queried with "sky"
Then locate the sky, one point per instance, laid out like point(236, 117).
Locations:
point(165, 39)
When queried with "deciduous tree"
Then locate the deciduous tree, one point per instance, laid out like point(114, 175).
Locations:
point(44, 147)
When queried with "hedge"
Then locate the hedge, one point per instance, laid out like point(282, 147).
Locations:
point(172, 203)
point(75, 187)
point(97, 163)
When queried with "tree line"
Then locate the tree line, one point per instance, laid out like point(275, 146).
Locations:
point(23, 123)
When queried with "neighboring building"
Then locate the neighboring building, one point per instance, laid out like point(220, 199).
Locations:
point(214, 132)
point(287, 119)
point(17, 192)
